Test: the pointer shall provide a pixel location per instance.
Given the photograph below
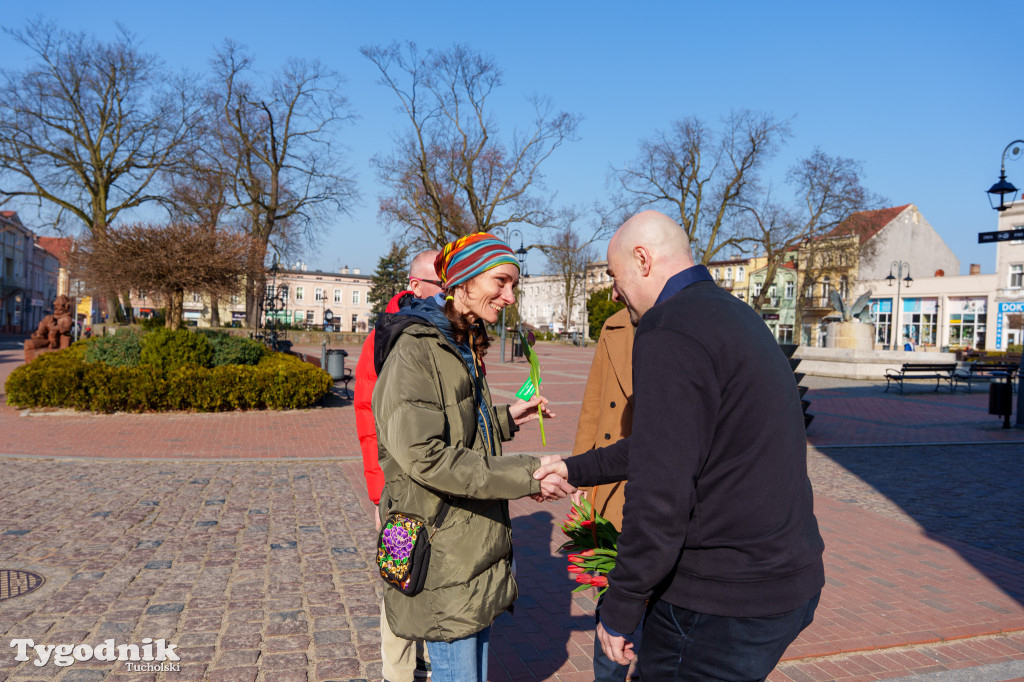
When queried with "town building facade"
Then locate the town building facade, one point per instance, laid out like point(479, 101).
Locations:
point(28, 277)
point(544, 305)
point(1007, 311)
point(314, 299)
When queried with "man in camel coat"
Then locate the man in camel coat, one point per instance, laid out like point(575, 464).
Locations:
point(606, 417)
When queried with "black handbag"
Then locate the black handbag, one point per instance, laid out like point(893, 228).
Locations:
point(403, 550)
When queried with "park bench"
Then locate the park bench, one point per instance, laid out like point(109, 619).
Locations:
point(984, 370)
point(921, 370)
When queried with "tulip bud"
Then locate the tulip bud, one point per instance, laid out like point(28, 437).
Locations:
point(583, 578)
point(573, 568)
point(587, 552)
point(576, 559)
point(599, 581)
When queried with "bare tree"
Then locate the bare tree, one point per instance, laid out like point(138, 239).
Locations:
point(88, 128)
point(288, 176)
point(201, 199)
point(828, 193)
point(167, 260)
point(568, 258)
point(451, 172)
point(701, 177)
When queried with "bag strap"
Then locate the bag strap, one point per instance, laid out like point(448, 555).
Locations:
point(439, 519)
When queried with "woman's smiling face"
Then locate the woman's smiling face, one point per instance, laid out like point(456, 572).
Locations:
point(487, 294)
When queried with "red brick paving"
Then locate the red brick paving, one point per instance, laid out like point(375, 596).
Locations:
point(898, 601)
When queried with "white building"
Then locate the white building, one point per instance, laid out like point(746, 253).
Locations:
point(1009, 287)
point(542, 300)
point(936, 312)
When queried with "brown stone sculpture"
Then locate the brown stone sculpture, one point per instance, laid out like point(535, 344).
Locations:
point(54, 332)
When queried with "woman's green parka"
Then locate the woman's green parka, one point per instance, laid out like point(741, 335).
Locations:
point(431, 449)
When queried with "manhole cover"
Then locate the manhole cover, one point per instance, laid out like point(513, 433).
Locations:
point(14, 583)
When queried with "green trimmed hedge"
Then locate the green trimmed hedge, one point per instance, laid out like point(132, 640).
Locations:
point(66, 379)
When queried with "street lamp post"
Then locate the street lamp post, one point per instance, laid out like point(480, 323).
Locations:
point(899, 280)
point(1003, 189)
point(521, 257)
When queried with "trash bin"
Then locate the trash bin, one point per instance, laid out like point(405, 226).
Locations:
point(1000, 400)
point(336, 363)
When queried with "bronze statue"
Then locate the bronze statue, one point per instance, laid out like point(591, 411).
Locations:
point(54, 330)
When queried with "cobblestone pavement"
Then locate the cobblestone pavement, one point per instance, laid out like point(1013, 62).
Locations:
point(245, 541)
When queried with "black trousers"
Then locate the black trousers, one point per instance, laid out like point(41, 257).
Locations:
point(679, 644)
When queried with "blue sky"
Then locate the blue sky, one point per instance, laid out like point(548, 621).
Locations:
point(909, 88)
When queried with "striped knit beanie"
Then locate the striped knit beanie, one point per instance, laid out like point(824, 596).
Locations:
point(467, 257)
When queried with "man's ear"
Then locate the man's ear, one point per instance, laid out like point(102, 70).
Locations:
point(642, 257)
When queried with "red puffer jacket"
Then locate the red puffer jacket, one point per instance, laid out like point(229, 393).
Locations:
point(366, 379)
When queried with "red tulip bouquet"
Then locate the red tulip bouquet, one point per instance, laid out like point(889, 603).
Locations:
point(591, 546)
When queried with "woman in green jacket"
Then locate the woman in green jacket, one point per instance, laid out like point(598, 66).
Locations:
point(440, 441)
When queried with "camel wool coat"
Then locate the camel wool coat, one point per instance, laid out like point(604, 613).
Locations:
point(607, 412)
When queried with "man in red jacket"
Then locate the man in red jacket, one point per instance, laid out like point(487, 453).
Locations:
point(399, 656)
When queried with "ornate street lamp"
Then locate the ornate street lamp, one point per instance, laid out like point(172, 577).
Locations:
point(1004, 189)
point(521, 257)
point(898, 280)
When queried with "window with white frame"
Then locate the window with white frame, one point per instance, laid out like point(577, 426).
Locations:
point(337, 295)
point(740, 273)
point(757, 288)
point(355, 297)
point(300, 293)
point(318, 294)
point(790, 289)
point(1016, 275)
point(195, 297)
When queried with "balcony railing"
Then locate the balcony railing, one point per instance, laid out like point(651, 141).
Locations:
point(817, 302)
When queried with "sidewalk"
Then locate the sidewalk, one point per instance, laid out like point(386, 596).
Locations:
point(245, 540)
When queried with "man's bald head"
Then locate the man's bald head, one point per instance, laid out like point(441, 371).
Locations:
point(659, 234)
point(422, 276)
point(643, 254)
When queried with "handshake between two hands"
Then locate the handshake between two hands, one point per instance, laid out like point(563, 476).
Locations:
point(552, 473)
point(553, 476)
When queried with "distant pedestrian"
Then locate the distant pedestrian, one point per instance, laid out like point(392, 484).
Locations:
point(403, 660)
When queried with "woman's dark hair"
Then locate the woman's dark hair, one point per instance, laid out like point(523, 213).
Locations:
point(463, 330)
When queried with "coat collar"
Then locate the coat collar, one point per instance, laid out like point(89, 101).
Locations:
point(618, 336)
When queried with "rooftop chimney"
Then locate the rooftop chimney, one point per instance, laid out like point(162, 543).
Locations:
point(344, 270)
point(355, 271)
point(975, 269)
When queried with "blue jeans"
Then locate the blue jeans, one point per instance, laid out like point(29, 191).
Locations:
point(680, 644)
point(605, 669)
point(464, 660)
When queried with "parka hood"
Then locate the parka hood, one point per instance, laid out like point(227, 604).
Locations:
point(411, 311)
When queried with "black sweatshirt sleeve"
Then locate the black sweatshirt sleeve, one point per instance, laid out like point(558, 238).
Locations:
point(599, 466)
point(677, 398)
